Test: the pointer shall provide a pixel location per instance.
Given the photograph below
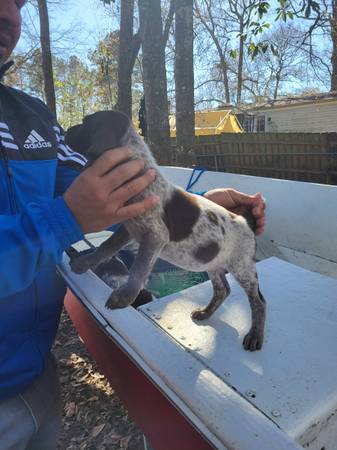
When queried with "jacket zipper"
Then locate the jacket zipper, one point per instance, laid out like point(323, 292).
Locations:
point(10, 184)
point(11, 191)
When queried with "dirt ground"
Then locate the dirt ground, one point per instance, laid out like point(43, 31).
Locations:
point(93, 416)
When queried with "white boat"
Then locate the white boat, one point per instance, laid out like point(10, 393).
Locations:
point(192, 386)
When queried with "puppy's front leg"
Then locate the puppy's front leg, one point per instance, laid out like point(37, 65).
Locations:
point(149, 250)
point(103, 253)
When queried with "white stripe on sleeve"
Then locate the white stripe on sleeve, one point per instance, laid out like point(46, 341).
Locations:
point(69, 152)
point(9, 145)
point(70, 158)
point(4, 126)
point(6, 135)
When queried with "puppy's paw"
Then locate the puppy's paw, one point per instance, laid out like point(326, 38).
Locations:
point(120, 298)
point(81, 264)
point(253, 340)
point(142, 298)
point(200, 314)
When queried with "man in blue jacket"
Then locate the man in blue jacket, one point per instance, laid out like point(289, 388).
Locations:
point(45, 206)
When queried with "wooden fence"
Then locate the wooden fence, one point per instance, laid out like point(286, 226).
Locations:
point(294, 156)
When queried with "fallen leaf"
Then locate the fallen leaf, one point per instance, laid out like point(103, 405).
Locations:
point(114, 437)
point(70, 409)
point(124, 442)
point(96, 430)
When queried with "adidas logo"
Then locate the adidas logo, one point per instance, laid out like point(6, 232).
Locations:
point(34, 141)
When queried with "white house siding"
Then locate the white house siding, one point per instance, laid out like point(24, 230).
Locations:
point(313, 118)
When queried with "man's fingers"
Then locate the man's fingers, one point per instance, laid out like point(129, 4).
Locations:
point(109, 160)
point(239, 198)
point(259, 201)
point(255, 200)
point(258, 210)
point(260, 225)
point(261, 222)
point(259, 231)
point(126, 212)
point(133, 188)
point(126, 171)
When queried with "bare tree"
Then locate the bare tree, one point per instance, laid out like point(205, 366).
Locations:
point(228, 22)
point(207, 12)
point(129, 45)
point(154, 78)
point(184, 75)
point(322, 18)
point(240, 15)
point(42, 38)
point(47, 64)
point(270, 74)
point(333, 27)
point(288, 61)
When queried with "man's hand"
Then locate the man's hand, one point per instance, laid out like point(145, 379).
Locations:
point(238, 202)
point(97, 197)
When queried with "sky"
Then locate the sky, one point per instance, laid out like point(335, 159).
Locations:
point(77, 26)
point(84, 21)
point(89, 20)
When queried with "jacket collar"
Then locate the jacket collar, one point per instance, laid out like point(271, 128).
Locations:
point(4, 68)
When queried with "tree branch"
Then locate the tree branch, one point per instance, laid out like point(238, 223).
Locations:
point(168, 22)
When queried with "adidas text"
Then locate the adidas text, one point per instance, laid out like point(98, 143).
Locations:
point(38, 145)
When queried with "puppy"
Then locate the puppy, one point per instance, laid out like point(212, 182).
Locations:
point(184, 229)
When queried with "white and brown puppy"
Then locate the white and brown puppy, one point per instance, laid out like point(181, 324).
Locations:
point(184, 229)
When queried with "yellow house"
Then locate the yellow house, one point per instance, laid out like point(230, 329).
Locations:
point(211, 123)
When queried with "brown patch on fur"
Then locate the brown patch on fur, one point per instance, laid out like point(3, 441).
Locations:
point(212, 217)
point(181, 213)
point(207, 253)
point(232, 215)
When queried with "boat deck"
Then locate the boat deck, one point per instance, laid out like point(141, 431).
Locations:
point(276, 399)
point(293, 379)
point(202, 366)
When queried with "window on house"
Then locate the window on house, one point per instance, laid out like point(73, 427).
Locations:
point(248, 124)
point(260, 123)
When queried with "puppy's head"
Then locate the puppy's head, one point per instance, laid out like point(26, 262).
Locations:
point(99, 132)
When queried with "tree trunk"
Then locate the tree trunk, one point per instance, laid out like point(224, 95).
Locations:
point(47, 64)
point(224, 69)
point(184, 78)
point(277, 85)
point(333, 24)
point(154, 79)
point(240, 63)
point(129, 45)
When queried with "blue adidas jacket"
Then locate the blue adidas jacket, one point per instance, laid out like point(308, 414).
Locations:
point(36, 226)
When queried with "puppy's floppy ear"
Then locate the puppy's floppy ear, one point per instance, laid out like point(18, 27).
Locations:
point(77, 138)
point(108, 130)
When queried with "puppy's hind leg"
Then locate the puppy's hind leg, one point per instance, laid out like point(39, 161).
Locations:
point(247, 278)
point(221, 291)
point(149, 250)
point(103, 253)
